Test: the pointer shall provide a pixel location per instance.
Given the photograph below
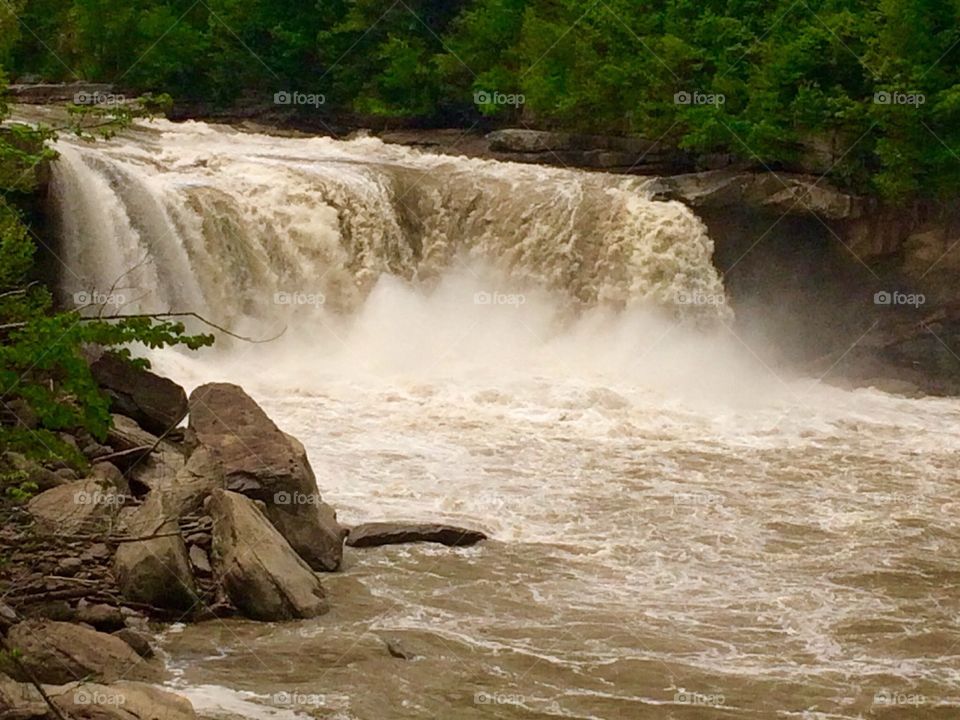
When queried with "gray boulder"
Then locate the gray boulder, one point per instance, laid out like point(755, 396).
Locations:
point(263, 576)
point(58, 652)
point(155, 402)
point(84, 506)
point(260, 461)
point(386, 533)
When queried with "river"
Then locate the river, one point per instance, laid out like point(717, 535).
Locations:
point(678, 528)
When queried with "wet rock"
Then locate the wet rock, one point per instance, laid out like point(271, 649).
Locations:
point(20, 701)
point(155, 403)
point(200, 561)
point(123, 700)
point(70, 566)
point(100, 616)
point(84, 506)
point(783, 193)
point(386, 533)
point(139, 641)
point(8, 617)
point(155, 571)
point(34, 472)
point(58, 652)
point(260, 461)
point(262, 574)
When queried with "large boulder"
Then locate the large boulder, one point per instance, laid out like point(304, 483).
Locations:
point(261, 573)
point(58, 652)
point(123, 700)
point(387, 533)
point(156, 570)
point(83, 506)
point(156, 403)
point(260, 461)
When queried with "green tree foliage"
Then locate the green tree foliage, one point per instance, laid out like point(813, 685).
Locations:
point(802, 82)
point(43, 372)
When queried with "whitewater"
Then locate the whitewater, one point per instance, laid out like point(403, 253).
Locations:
point(679, 529)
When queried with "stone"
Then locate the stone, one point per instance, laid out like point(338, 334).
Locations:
point(387, 533)
point(123, 700)
point(59, 652)
point(21, 701)
point(200, 561)
point(100, 616)
point(33, 472)
point(263, 576)
point(85, 506)
point(155, 403)
point(139, 641)
point(155, 571)
point(260, 461)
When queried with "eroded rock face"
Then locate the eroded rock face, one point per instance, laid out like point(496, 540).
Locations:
point(260, 461)
point(156, 403)
point(387, 533)
point(263, 576)
point(84, 506)
point(58, 653)
point(784, 193)
point(156, 571)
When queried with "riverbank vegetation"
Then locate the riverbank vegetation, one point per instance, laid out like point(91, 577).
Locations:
point(868, 90)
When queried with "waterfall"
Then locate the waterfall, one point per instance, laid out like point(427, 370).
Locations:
point(193, 217)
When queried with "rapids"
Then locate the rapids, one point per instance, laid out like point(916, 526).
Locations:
point(678, 530)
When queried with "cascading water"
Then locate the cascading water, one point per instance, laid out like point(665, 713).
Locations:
point(678, 530)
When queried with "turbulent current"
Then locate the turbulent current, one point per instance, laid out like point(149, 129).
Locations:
point(678, 530)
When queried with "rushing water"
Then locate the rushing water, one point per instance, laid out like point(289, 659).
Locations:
point(678, 530)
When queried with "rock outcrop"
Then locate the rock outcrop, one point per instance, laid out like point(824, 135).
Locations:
point(156, 571)
point(260, 461)
point(262, 574)
point(156, 403)
point(58, 652)
point(123, 700)
point(388, 533)
point(82, 506)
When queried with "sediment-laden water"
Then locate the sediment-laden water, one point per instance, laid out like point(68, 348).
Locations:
point(678, 529)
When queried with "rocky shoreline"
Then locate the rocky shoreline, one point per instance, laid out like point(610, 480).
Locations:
point(221, 518)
